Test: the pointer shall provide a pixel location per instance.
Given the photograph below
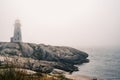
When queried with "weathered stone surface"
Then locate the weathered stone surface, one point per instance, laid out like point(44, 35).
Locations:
point(44, 58)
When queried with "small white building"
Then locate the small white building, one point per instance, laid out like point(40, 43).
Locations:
point(17, 32)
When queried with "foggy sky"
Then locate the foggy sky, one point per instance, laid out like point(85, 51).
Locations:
point(63, 22)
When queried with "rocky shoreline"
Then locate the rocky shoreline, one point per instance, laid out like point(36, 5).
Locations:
point(40, 57)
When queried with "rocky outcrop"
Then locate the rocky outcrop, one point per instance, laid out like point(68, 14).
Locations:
point(53, 56)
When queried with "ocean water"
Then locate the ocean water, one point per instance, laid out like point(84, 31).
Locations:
point(104, 63)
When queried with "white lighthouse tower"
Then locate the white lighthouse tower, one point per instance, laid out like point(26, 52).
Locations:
point(17, 32)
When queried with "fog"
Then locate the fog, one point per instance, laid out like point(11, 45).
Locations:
point(73, 23)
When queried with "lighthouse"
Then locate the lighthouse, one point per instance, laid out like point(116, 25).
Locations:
point(17, 37)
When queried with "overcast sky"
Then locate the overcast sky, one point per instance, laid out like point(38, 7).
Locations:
point(63, 22)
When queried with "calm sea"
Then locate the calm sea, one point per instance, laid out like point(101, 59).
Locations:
point(104, 63)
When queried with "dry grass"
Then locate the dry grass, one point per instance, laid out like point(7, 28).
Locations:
point(11, 74)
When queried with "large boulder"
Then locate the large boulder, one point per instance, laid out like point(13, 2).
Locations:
point(57, 53)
